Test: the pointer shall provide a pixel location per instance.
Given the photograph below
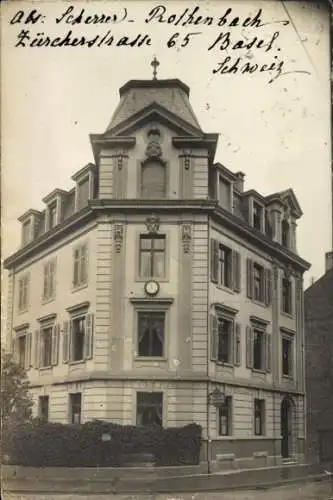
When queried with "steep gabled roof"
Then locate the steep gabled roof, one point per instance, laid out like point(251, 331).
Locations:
point(286, 197)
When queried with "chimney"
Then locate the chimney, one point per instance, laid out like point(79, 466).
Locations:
point(328, 261)
point(239, 184)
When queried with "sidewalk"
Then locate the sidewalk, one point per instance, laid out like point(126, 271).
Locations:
point(311, 491)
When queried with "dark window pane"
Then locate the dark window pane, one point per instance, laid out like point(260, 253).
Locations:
point(150, 334)
point(150, 408)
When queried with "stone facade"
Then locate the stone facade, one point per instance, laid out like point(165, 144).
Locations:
point(223, 285)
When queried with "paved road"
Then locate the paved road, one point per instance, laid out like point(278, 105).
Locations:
point(315, 491)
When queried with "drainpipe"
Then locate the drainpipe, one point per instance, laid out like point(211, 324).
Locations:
point(208, 352)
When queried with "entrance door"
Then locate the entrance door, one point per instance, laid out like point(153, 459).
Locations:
point(286, 436)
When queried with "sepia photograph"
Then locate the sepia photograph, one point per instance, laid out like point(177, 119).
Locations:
point(167, 250)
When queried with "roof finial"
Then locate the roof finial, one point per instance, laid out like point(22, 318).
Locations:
point(155, 64)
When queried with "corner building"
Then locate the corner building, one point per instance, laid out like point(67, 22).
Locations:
point(159, 290)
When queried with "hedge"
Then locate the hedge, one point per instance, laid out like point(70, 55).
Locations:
point(41, 444)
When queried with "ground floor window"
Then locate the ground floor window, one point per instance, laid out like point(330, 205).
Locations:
point(75, 407)
point(259, 417)
point(149, 408)
point(224, 418)
point(44, 408)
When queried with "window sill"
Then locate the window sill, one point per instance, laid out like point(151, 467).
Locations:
point(255, 371)
point(287, 378)
point(259, 303)
point(45, 368)
point(47, 300)
point(224, 288)
point(139, 279)
point(150, 358)
point(22, 311)
point(224, 364)
point(77, 362)
point(287, 315)
point(79, 287)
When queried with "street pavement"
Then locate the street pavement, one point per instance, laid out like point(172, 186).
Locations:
point(307, 491)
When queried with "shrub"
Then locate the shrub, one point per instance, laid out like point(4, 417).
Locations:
point(43, 444)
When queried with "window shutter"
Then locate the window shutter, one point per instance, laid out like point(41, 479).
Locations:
point(214, 260)
point(237, 345)
point(41, 349)
point(236, 269)
point(52, 278)
point(76, 267)
point(88, 337)
point(55, 345)
point(46, 287)
point(249, 347)
point(214, 337)
point(268, 357)
point(65, 341)
point(249, 276)
point(27, 360)
point(14, 348)
point(37, 342)
point(268, 287)
point(84, 265)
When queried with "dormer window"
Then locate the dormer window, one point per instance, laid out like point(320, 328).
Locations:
point(153, 180)
point(258, 216)
point(224, 193)
point(52, 212)
point(285, 233)
point(83, 188)
point(26, 231)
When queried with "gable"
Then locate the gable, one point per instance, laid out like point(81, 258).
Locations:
point(288, 197)
point(154, 112)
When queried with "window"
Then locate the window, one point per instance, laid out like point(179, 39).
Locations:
point(225, 333)
point(46, 346)
point(259, 417)
point(49, 280)
point(258, 349)
point(225, 266)
point(258, 280)
point(149, 408)
point(83, 193)
point(75, 408)
point(80, 277)
point(78, 338)
point(224, 416)
point(23, 292)
point(22, 350)
point(44, 408)
point(286, 296)
point(152, 256)
point(52, 215)
point(285, 233)
point(151, 333)
point(224, 193)
point(153, 180)
point(287, 358)
point(257, 216)
point(26, 232)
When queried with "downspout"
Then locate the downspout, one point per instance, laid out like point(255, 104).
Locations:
point(208, 353)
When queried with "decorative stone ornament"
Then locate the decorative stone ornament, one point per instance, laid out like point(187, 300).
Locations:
point(288, 271)
point(152, 224)
point(186, 237)
point(187, 162)
point(154, 150)
point(118, 236)
point(275, 274)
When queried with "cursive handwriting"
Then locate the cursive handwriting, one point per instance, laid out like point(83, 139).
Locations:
point(70, 17)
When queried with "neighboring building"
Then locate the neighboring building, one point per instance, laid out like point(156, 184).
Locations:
point(158, 280)
point(318, 303)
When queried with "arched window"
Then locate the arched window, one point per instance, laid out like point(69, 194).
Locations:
point(153, 180)
point(285, 233)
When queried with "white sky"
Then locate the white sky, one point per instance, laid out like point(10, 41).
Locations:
point(278, 134)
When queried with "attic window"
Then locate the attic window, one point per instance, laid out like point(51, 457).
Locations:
point(258, 216)
point(153, 180)
point(26, 232)
point(52, 215)
point(224, 193)
point(83, 193)
point(285, 233)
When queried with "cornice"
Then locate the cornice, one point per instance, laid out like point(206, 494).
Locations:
point(50, 237)
point(282, 254)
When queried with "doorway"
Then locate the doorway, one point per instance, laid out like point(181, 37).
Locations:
point(286, 428)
